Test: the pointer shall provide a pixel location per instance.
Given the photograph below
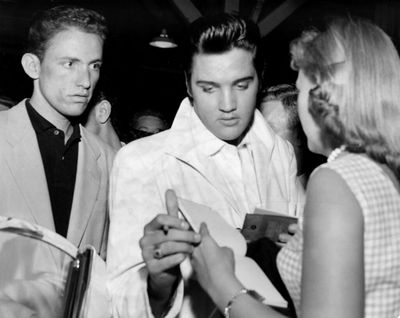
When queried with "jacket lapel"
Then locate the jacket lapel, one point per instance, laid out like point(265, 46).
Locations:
point(26, 165)
point(200, 163)
point(182, 146)
point(87, 186)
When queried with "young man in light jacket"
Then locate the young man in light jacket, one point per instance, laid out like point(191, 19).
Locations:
point(219, 152)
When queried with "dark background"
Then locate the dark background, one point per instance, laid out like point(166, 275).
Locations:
point(143, 76)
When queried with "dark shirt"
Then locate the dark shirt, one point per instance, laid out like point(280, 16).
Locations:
point(60, 164)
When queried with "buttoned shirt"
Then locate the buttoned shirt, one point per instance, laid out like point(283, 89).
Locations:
point(60, 163)
point(189, 159)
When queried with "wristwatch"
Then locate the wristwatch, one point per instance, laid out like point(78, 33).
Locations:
point(242, 291)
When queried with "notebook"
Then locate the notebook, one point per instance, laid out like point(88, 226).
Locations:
point(246, 270)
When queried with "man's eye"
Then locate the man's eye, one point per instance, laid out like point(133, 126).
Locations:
point(96, 66)
point(208, 89)
point(243, 85)
point(68, 64)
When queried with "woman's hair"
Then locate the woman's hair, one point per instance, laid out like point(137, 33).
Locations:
point(356, 100)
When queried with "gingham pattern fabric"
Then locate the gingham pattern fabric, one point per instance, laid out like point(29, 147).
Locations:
point(380, 203)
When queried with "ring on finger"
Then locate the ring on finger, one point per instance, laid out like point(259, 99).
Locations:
point(158, 253)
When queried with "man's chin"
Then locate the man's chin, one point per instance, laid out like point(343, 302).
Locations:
point(233, 136)
point(233, 139)
point(76, 112)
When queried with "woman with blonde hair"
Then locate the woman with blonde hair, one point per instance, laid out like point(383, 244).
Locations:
point(344, 260)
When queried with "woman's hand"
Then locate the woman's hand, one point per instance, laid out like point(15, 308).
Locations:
point(215, 269)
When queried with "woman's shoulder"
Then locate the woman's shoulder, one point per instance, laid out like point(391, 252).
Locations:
point(359, 175)
point(350, 166)
point(328, 187)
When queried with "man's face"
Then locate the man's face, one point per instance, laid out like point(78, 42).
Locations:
point(150, 124)
point(224, 90)
point(69, 71)
point(277, 117)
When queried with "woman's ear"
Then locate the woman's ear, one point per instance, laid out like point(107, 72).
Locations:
point(31, 65)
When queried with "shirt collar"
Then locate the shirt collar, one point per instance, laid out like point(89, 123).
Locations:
point(76, 134)
point(41, 124)
point(206, 141)
point(188, 134)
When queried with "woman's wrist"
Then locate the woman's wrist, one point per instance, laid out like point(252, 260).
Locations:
point(241, 293)
point(222, 292)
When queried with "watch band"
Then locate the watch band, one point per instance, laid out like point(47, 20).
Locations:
point(242, 291)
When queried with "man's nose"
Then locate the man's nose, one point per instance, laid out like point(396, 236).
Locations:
point(84, 78)
point(228, 101)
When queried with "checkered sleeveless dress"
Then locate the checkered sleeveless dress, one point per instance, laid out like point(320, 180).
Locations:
point(380, 203)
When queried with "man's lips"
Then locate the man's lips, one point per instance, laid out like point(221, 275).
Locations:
point(80, 98)
point(229, 121)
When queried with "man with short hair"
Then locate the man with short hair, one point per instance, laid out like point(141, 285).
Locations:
point(219, 152)
point(52, 171)
point(98, 118)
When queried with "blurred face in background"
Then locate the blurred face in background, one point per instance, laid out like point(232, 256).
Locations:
point(278, 118)
point(150, 124)
point(144, 125)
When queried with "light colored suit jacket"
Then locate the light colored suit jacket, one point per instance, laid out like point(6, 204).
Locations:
point(146, 168)
point(23, 186)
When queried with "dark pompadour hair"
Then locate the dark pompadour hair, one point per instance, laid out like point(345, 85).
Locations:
point(221, 33)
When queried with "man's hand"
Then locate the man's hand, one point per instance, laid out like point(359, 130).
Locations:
point(166, 242)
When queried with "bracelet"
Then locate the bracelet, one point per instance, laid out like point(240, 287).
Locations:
point(242, 291)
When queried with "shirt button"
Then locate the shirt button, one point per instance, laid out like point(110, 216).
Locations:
point(56, 132)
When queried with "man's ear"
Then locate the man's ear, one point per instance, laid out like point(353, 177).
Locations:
point(31, 65)
point(103, 111)
point(188, 87)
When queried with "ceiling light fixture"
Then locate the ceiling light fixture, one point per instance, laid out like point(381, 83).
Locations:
point(163, 41)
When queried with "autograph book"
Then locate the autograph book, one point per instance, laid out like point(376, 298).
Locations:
point(247, 271)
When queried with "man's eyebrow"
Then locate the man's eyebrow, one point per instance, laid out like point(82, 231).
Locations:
point(69, 58)
point(244, 79)
point(239, 80)
point(99, 60)
point(75, 59)
point(202, 82)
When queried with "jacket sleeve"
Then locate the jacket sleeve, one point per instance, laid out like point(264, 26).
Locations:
point(134, 201)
